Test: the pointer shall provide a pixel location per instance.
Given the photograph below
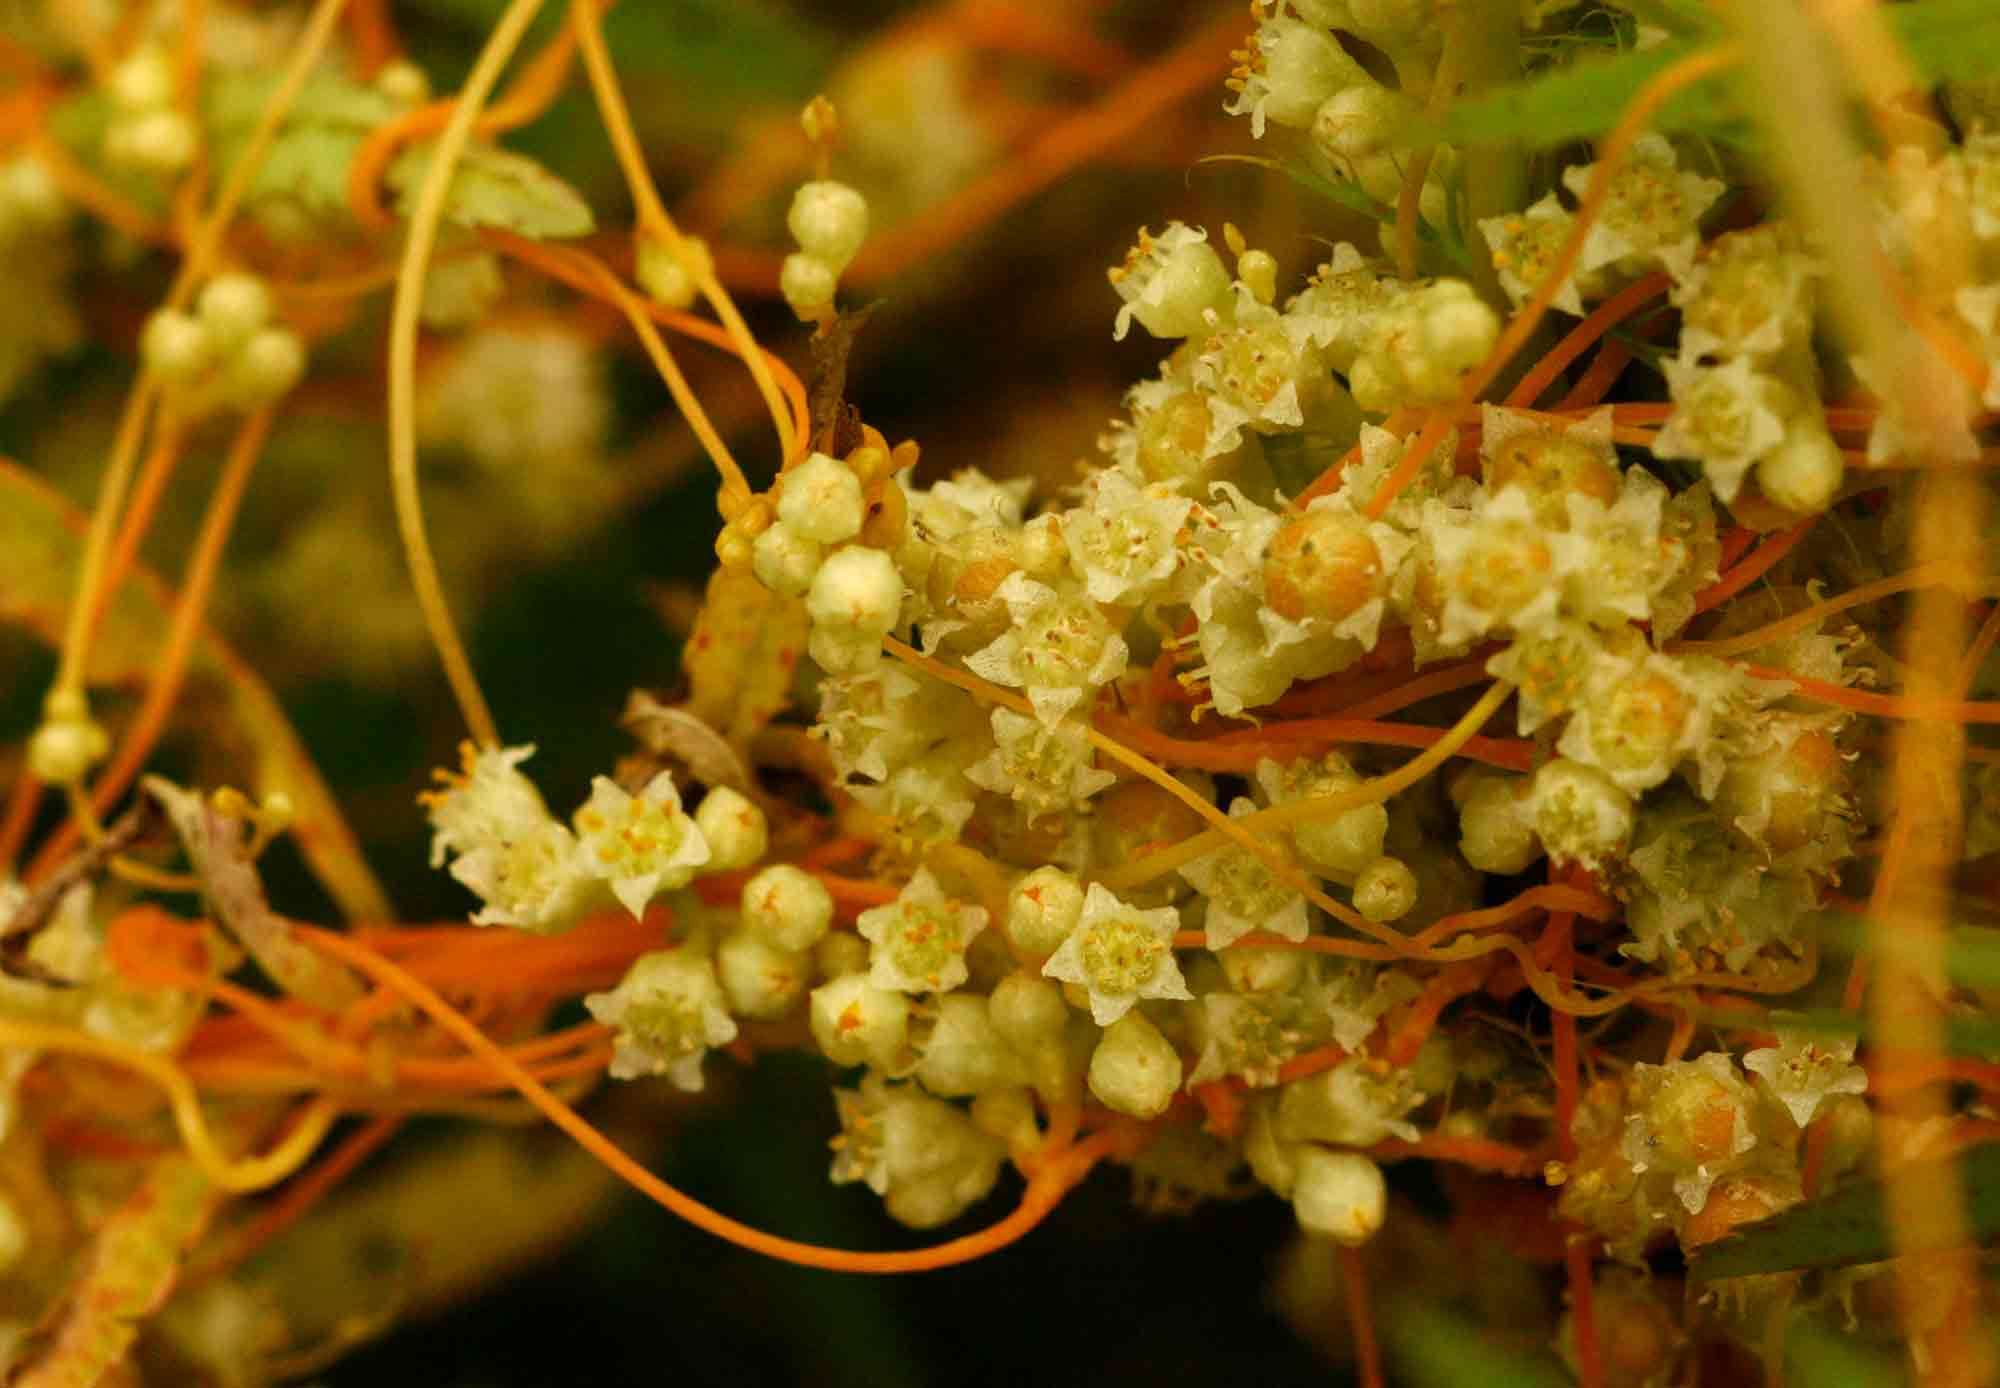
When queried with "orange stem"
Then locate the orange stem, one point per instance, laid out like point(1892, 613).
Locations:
point(1655, 94)
point(1747, 572)
point(1583, 1312)
point(1601, 320)
point(185, 624)
point(1367, 1353)
point(1052, 1180)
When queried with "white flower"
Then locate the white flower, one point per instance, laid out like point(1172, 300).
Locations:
point(640, 843)
point(1251, 1035)
point(1652, 215)
point(1059, 647)
point(928, 797)
point(1726, 417)
point(1614, 558)
point(537, 881)
point(1119, 954)
point(1358, 995)
point(1690, 1119)
point(1750, 295)
point(1293, 68)
point(1121, 541)
point(1262, 370)
point(1337, 311)
point(918, 940)
point(977, 498)
point(1496, 566)
point(924, 1157)
point(1047, 769)
point(879, 721)
point(1638, 716)
point(1174, 283)
point(488, 800)
point(668, 1010)
point(1524, 246)
point(1358, 1103)
point(1803, 1071)
point(1243, 894)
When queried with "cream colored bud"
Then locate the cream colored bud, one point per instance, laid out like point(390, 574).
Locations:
point(1340, 1195)
point(856, 1024)
point(1041, 911)
point(1385, 890)
point(1134, 1069)
point(734, 827)
point(760, 980)
point(789, 908)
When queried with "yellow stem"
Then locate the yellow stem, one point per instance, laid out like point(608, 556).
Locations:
point(1369, 792)
point(655, 221)
point(425, 217)
point(685, 399)
point(202, 250)
point(239, 1175)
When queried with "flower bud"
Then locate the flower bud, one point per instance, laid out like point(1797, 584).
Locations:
point(266, 366)
point(734, 828)
point(1134, 1069)
point(175, 346)
point(821, 500)
point(1043, 908)
point(670, 279)
point(1496, 832)
point(1385, 890)
point(808, 284)
point(856, 591)
point(1027, 1011)
point(1803, 473)
point(857, 1024)
point(788, 908)
point(232, 306)
point(760, 980)
point(829, 220)
point(1339, 1194)
point(784, 560)
point(966, 1053)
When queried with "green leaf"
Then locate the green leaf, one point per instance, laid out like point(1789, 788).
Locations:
point(234, 101)
point(1846, 1227)
point(1818, 1353)
point(307, 162)
point(1971, 957)
point(1944, 39)
point(497, 188)
point(1580, 100)
point(1430, 1345)
point(1949, 40)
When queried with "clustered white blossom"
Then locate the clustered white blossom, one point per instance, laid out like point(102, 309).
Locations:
point(977, 651)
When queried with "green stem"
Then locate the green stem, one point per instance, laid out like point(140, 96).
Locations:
point(1488, 33)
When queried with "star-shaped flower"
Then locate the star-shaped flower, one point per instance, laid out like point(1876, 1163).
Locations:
point(1243, 894)
point(639, 843)
point(1803, 1071)
point(1119, 954)
point(668, 1010)
point(918, 940)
